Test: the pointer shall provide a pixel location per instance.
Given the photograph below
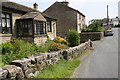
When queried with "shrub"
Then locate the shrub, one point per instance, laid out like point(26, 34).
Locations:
point(17, 49)
point(60, 40)
point(73, 38)
point(45, 47)
point(57, 46)
point(7, 48)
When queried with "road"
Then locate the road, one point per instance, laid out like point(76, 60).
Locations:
point(101, 62)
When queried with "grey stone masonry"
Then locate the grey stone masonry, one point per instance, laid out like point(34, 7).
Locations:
point(27, 67)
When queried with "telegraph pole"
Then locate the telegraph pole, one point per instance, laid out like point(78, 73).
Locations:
point(107, 17)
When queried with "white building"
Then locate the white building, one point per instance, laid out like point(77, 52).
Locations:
point(114, 21)
point(119, 9)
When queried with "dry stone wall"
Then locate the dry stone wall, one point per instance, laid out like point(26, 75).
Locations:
point(27, 67)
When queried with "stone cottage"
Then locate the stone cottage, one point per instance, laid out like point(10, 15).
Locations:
point(19, 21)
point(67, 17)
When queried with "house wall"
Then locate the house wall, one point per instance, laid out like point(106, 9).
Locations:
point(66, 18)
point(7, 37)
point(38, 40)
point(14, 17)
point(80, 22)
point(52, 34)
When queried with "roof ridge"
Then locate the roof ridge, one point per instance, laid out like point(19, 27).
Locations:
point(66, 6)
point(21, 5)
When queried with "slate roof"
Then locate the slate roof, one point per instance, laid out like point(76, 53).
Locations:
point(33, 15)
point(60, 3)
point(22, 8)
point(18, 7)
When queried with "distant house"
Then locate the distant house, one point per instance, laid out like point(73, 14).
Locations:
point(67, 18)
point(19, 21)
point(119, 9)
point(115, 21)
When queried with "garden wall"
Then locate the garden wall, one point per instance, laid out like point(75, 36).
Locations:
point(27, 67)
point(85, 36)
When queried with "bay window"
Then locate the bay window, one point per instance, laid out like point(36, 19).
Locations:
point(40, 27)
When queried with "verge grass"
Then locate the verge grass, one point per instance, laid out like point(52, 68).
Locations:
point(62, 69)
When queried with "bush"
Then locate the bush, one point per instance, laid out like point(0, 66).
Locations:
point(57, 47)
point(73, 38)
point(7, 48)
point(60, 40)
point(45, 47)
point(17, 49)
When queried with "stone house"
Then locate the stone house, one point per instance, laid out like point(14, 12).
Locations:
point(115, 21)
point(67, 18)
point(19, 21)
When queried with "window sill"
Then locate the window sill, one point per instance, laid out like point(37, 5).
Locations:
point(41, 35)
point(5, 35)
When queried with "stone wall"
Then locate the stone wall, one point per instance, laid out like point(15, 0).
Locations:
point(85, 36)
point(27, 67)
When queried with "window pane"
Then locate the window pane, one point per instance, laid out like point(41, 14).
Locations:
point(3, 15)
point(8, 22)
point(7, 16)
point(48, 26)
point(4, 30)
point(3, 23)
point(8, 30)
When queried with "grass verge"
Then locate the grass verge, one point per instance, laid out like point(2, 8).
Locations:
point(62, 69)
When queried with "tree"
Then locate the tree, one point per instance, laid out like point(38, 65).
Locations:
point(96, 25)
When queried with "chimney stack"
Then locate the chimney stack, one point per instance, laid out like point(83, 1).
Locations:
point(35, 6)
point(65, 3)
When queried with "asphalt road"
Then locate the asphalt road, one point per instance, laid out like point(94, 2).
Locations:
point(101, 62)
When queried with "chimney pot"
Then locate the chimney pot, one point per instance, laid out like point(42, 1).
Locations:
point(35, 6)
point(65, 3)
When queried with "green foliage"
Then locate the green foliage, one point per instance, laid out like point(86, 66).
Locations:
point(7, 48)
point(95, 26)
point(60, 40)
point(57, 46)
point(62, 69)
point(17, 49)
point(45, 47)
point(73, 38)
point(89, 29)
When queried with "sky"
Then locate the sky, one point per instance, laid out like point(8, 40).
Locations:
point(92, 9)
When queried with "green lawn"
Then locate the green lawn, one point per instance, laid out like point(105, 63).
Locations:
point(62, 69)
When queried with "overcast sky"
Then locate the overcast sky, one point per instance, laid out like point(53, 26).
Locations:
point(92, 9)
